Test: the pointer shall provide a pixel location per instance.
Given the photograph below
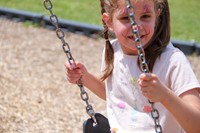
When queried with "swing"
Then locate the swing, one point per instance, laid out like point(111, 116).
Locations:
point(97, 123)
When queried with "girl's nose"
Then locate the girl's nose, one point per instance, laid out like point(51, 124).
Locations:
point(137, 27)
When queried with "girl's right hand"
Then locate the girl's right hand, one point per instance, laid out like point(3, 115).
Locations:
point(75, 72)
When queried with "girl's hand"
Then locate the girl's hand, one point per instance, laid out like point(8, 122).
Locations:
point(152, 88)
point(75, 72)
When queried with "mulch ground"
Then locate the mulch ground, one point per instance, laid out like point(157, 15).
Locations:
point(34, 94)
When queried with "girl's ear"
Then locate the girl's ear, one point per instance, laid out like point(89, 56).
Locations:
point(107, 20)
point(158, 12)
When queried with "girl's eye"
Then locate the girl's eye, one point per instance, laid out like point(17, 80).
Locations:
point(124, 18)
point(145, 16)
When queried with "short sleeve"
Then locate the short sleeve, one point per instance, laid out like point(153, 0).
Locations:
point(182, 77)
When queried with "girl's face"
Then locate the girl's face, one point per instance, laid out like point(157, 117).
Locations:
point(145, 17)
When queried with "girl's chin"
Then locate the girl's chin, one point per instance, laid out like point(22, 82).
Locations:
point(133, 53)
point(130, 51)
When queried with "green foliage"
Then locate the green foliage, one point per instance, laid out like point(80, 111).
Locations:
point(185, 19)
point(87, 11)
point(185, 15)
point(30, 24)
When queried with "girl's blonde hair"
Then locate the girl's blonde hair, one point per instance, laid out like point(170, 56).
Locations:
point(157, 44)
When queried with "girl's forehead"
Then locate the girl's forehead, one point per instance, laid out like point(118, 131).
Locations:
point(138, 5)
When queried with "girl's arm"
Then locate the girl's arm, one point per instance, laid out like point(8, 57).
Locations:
point(95, 85)
point(77, 71)
point(185, 108)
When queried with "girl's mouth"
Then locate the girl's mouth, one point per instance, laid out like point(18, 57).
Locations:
point(133, 38)
point(141, 36)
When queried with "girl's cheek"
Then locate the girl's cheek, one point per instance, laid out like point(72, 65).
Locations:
point(126, 26)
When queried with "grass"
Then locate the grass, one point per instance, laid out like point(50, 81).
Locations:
point(185, 19)
point(87, 11)
point(185, 15)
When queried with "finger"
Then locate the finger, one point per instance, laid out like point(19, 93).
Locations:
point(73, 81)
point(70, 66)
point(142, 83)
point(146, 76)
point(74, 71)
point(79, 65)
point(145, 93)
point(73, 77)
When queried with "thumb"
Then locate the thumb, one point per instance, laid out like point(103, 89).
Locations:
point(70, 66)
point(146, 76)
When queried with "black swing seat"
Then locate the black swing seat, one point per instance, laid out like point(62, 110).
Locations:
point(102, 125)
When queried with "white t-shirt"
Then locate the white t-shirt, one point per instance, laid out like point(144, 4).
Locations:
point(127, 109)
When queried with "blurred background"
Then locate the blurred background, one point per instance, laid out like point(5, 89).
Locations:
point(34, 94)
point(185, 15)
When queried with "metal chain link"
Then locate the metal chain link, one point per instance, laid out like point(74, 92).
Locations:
point(66, 48)
point(142, 59)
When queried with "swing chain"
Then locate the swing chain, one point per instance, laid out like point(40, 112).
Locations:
point(66, 48)
point(142, 60)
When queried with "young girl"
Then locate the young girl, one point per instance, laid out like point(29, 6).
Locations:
point(171, 84)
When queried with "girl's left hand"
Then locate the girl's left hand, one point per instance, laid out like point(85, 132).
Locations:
point(152, 88)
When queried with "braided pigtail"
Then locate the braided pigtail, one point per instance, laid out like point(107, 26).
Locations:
point(109, 52)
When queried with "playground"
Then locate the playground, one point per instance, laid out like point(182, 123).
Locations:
point(34, 94)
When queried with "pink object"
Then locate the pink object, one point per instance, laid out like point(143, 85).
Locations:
point(146, 8)
point(147, 109)
point(121, 105)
